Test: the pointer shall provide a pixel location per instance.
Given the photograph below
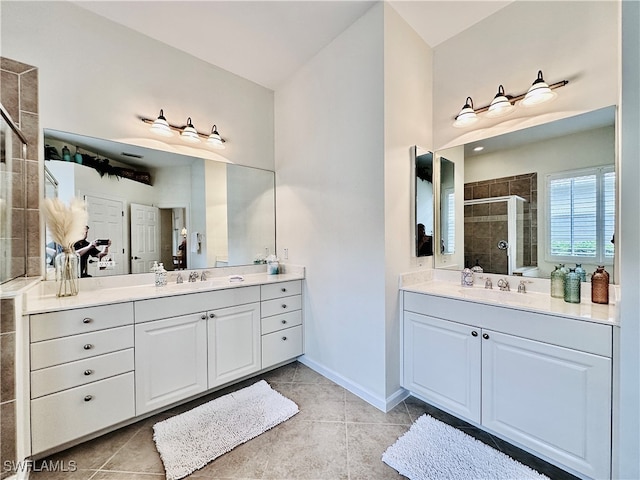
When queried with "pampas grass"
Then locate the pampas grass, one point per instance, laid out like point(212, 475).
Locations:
point(66, 223)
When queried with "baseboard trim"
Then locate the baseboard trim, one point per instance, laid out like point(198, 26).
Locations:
point(383, 404)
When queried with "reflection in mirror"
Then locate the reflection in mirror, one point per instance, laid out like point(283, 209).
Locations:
point(152, 205)
point(447, 207)
point(541, 196)
point(424, 202)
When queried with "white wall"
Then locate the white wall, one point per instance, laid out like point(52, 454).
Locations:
point(627, 435)
point(330, 201)
point(96, 77)
point(407, 121)
point(567, 40)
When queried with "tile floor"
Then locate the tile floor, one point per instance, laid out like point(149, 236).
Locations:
point(335, 436)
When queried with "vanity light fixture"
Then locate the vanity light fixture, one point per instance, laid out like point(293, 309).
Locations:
point(467, 115)
point(500, 105)
point(538, 93)
point(503, 104)
point(188, 133)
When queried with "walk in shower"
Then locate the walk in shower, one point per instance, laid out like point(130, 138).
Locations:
point(498, 235)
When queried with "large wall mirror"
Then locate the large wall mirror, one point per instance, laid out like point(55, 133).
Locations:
point(536, 198)
point(185, 212)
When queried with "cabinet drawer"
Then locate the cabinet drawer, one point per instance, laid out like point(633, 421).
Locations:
point(280, 289)
point(69, 375)
point(175, 306)
point(45, 326)
point(280, 322)
point(68, 349)
point(65, 416)
point(280, 305)
point(280, 346)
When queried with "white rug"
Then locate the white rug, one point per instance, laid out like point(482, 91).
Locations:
point(192, 439)
point(432, 450)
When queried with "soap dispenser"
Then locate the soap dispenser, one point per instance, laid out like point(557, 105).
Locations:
point(161, 276)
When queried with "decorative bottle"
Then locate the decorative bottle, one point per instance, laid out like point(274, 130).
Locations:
point(161, 276)
point(572, 287)
point(600, 286)
point(557, 283)
point(582, 273)
point(466, 277)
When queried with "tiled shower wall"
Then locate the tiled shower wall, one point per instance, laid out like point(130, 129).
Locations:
point(19, 96)
point(481, 237)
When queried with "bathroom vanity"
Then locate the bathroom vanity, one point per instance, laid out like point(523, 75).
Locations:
point(112, 355)
point(529, 368)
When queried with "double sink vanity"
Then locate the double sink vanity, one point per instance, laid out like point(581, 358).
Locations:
point(527, 367)
point(123, 348)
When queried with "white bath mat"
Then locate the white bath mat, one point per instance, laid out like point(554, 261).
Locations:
point(432, 450)
point(192, 439)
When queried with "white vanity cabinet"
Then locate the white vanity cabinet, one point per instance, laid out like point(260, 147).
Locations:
point(234, 343)
point(540, 381)
point(281, 322)
point(82, 378)
point(171, 360)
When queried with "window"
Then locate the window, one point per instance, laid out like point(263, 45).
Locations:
point(581, 221)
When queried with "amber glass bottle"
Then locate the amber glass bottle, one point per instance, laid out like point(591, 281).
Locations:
point(600, 286)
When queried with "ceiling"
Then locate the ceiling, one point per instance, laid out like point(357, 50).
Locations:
point(287, 34)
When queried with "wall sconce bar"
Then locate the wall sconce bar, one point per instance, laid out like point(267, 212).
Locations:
point(187, 132)
point(503, 104)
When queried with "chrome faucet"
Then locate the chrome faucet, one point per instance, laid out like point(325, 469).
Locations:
point(504, 285)
point(179, 278)
point(488, 284)
point(193, 276)
point(203, 276)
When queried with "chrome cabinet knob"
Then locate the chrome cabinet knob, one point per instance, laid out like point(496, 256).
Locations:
point(474, 333)
point(283, 321)
point(283, 289)
point(284, 305)
point(485, 336)
point(88, 372)
point(212, 315)
point(87, 320)
point(88, 398)
point(88, 346)
point(203, 316)
point(284, 339)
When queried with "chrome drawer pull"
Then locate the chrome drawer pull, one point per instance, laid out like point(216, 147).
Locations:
point(284, 321)
point(88, 346)
point(212, 315)
point(284, 339)
point(284, 305)
point(87, 320)
point(88, 398)
point(283, 289)
point(88, 372)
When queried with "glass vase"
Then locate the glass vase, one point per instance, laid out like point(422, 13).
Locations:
point(572, 287)
point(600, 286)
point(557, 283)
point(67, 265)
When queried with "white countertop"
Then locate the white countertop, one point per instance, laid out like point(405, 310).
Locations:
point(537, 299)
point(41, 298)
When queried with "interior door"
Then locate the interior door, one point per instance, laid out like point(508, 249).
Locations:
point(106, 222)
point(145, 237)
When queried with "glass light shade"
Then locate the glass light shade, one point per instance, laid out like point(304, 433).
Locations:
point(214, 140)
point(500, 105)
point(189, 133)
point(161, 127)
point(467, 115)
point(538, 93)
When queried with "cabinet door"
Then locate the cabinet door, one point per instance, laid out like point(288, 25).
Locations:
point(234, 343)
point(554, 400)
point(171, 361)
point(442, 363)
